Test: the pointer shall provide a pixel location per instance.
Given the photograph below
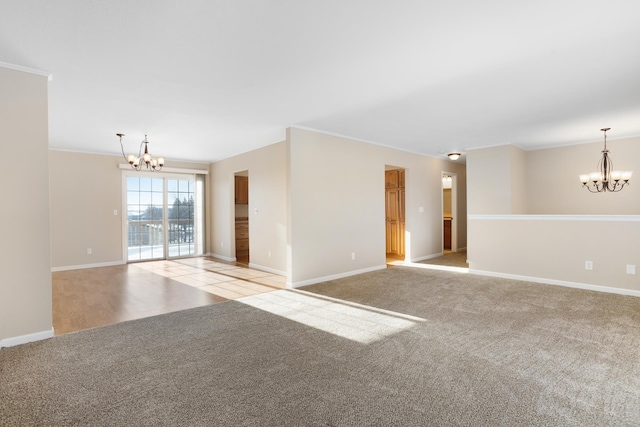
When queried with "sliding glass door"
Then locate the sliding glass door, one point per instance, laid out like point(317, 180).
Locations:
point(181, 216)
point(163, 216)
point(145, 218)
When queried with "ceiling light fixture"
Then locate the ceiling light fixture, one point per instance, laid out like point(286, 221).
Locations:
point(605, 179)
point(145, 158)
point(454, 156)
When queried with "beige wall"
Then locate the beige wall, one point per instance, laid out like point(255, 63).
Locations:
point(85, 191)
point(554, 188)
point(336, 202)
point(556, 248)
point(25, 274)
point(499, 184)
point(602, 228)
point(267, 207)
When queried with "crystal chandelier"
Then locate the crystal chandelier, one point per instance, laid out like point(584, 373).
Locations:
point(145, 158)
point(605, 179)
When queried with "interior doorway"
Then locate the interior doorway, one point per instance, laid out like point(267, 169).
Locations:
point(395, 213)
point(449, 216)
point(241, 190)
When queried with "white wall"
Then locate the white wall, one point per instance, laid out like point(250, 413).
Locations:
point(336, 198)
point(267, 194)
point(25, 273)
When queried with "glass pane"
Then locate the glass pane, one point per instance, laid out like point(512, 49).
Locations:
point(133, 183)
point(172, 185)
point(157, 199)
point(157, 185)
point(183, 186)
point(133, 198)
point(145, 198)
point(145, 184)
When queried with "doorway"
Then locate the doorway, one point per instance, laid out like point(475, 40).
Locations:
point(449, 216)
point(241, 190)
point(164, 216)
point(395, 213)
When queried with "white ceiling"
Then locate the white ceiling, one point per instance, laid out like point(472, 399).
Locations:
point(210, 79)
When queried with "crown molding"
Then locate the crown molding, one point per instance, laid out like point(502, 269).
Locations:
point(46, 74)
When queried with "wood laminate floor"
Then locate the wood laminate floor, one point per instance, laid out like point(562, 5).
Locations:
point(94, 297)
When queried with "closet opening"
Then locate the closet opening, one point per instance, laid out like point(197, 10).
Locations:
point(394, 213)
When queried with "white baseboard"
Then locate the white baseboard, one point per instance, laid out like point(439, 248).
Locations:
point(586, 286)
point(82, 266)
point(224, 258)
point(335, 276)
point(23, 339)
point(267, 269)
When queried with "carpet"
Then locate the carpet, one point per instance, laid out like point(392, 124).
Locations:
point(403, 346)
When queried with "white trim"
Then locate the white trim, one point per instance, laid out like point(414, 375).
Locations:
point(267, 269)
point(334, 276)
point(224, 258)
point(461, 249)
point(599, 288)
point(23, 339)
point(83, 266)
point(46, 74)
point(166, 170)
point(609, 218)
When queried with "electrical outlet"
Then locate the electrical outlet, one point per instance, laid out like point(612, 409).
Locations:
point(588, 265)
point(115, 212)
point(631, 269)
point(353, 255)
point(222, 244)
point(269, 254)
point(89, 251)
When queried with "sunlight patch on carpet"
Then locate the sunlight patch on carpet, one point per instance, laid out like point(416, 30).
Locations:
point(345, 319)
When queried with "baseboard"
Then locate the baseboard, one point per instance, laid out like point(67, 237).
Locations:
point(577, 285)
point(23, 339)
point(335, 276)
point(267, 269)
point(224, 258)
point(83, 266)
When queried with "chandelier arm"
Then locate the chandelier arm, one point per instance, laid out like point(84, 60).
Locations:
point(122, 148)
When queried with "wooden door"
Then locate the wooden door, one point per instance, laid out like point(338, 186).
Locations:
point(392, 219)
point(242, 190)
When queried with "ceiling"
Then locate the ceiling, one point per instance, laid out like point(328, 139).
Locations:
point(208, 79)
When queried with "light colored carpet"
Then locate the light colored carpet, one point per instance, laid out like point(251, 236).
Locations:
point(402, 346)
point(451, 259)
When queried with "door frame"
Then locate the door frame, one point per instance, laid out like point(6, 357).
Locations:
point(454, 209)
point(125, 213)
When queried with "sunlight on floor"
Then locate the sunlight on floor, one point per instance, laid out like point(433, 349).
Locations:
point(225, 280)
point(353, 321)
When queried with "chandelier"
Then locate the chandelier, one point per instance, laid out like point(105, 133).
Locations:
point(145, 158)
point(605, 179)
